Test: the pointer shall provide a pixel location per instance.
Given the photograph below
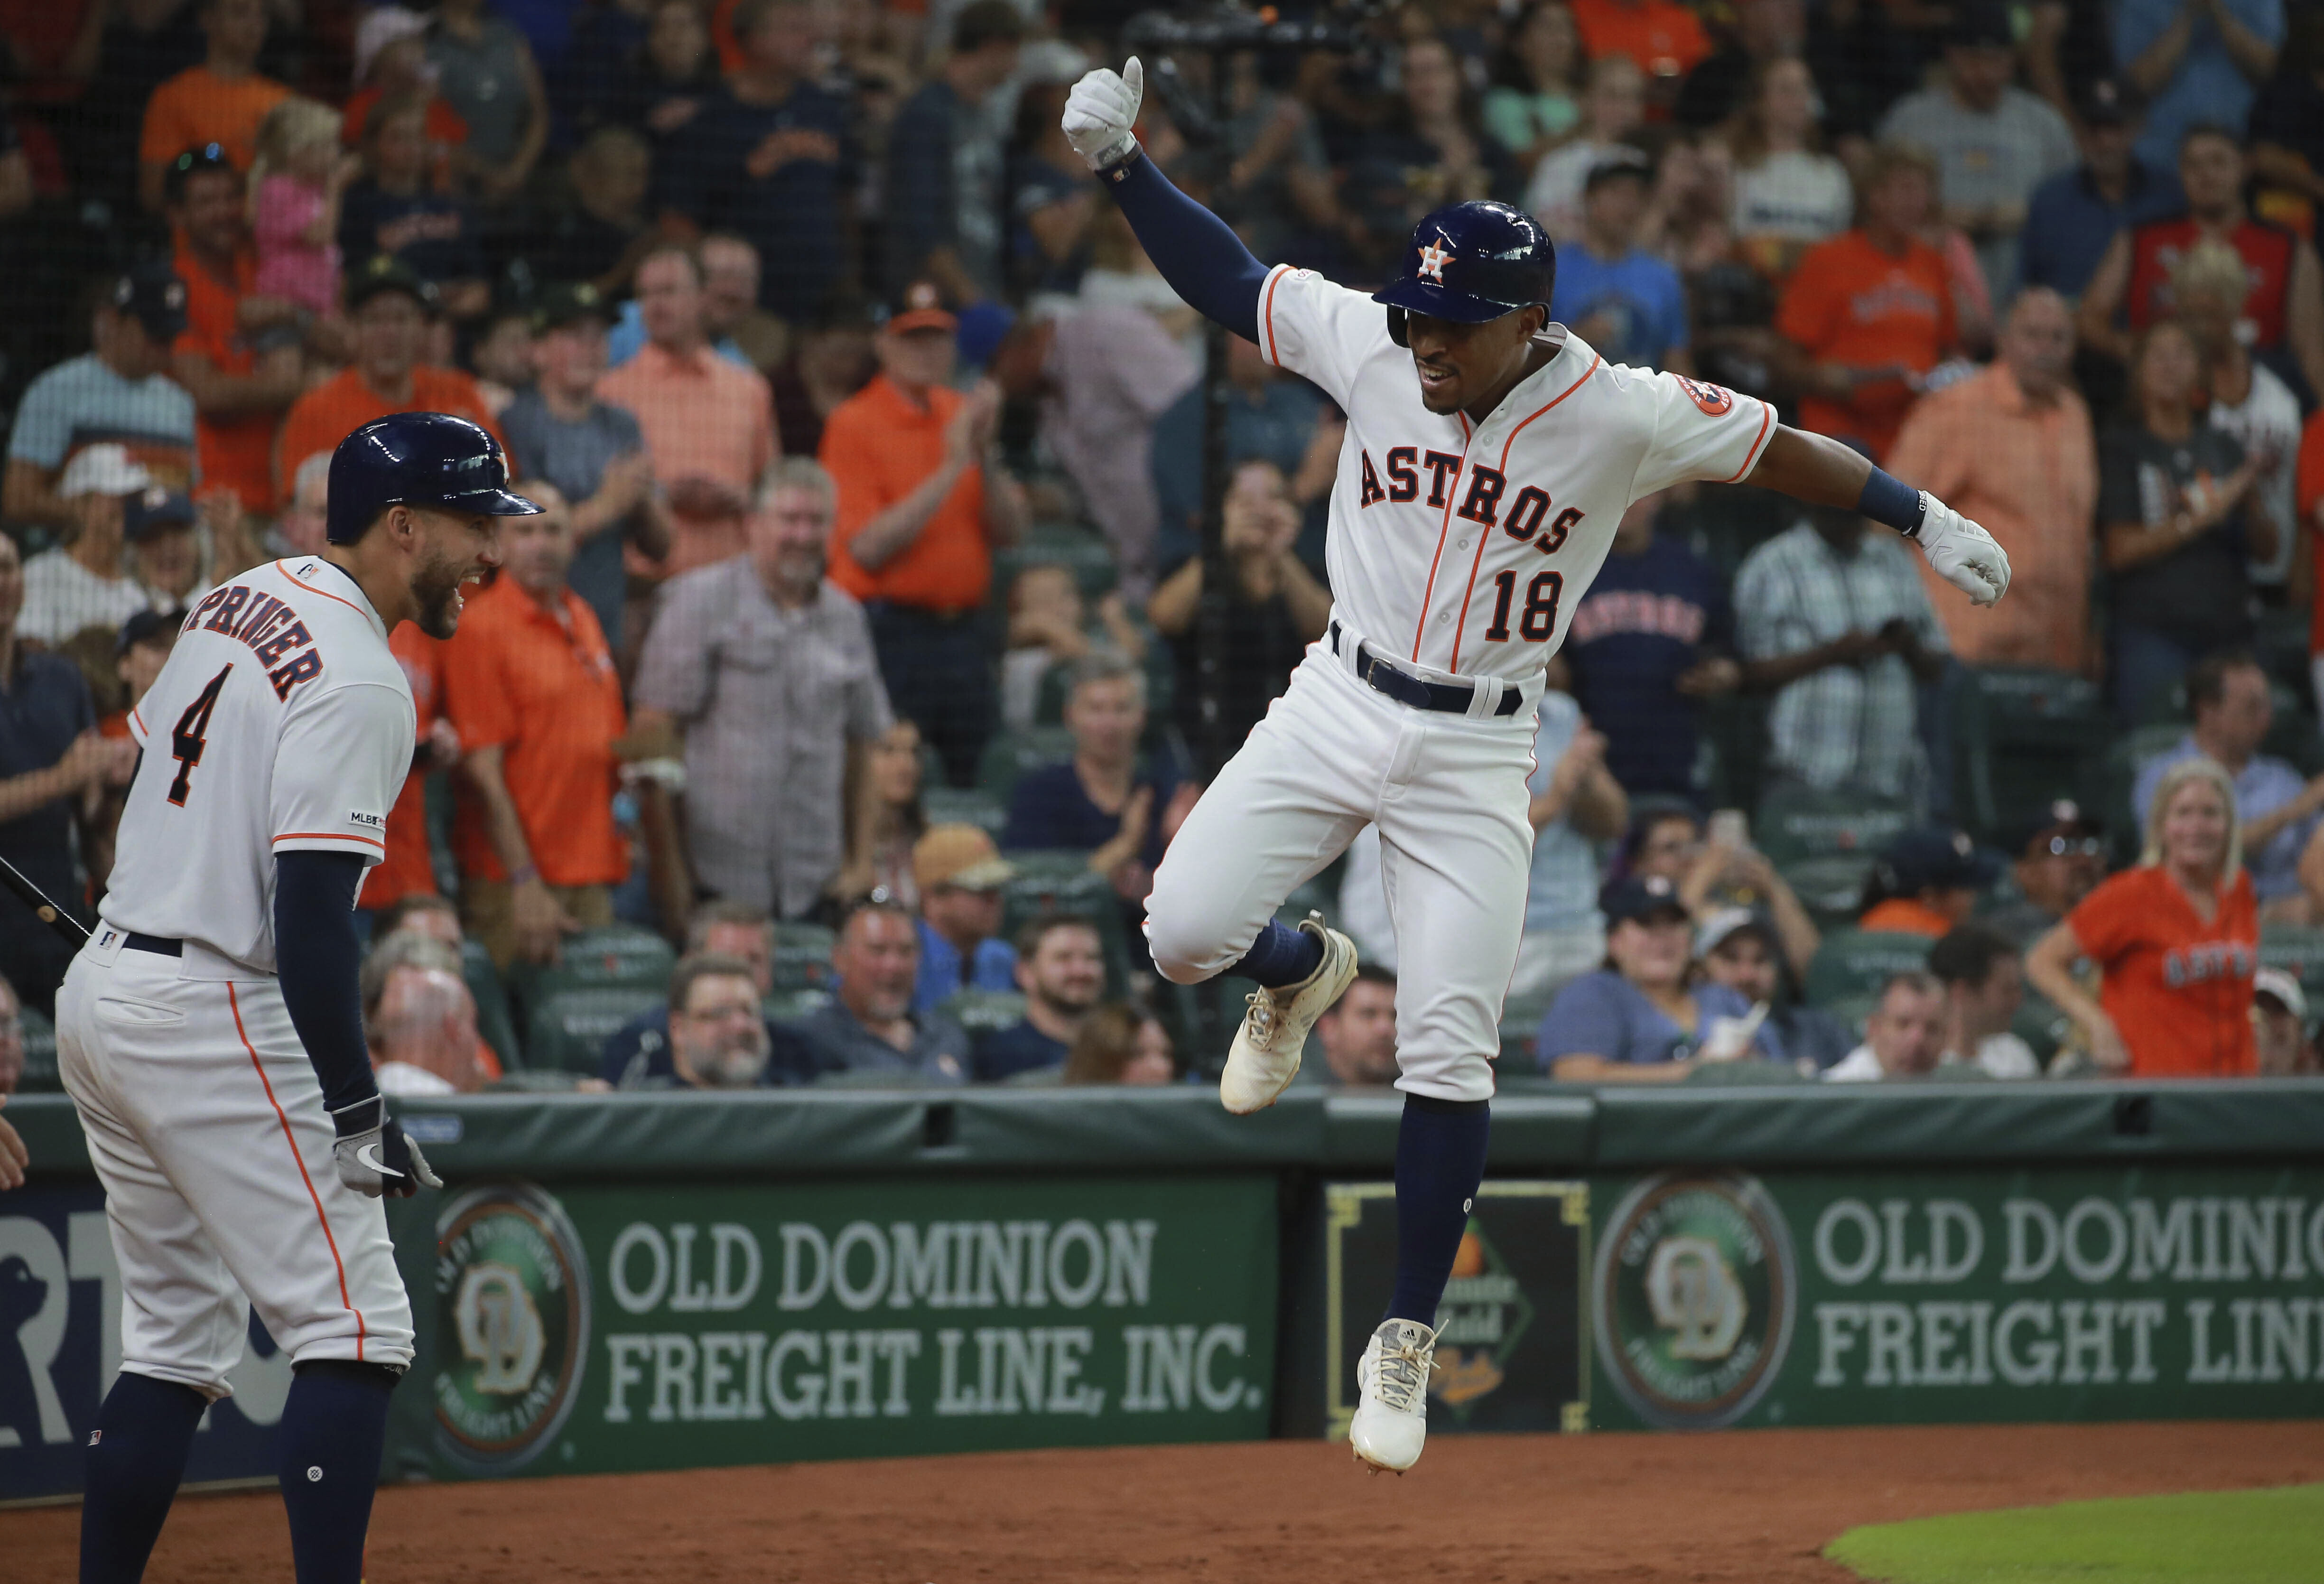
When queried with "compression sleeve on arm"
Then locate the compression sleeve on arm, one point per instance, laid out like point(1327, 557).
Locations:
point(1197, 252)
point(320, 965)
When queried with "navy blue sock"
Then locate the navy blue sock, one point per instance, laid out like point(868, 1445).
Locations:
point(1440, 1159)
point(136, 1457)
point(333, 1435)
point(1281, 955)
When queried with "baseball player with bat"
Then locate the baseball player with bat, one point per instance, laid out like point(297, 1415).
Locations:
point(210, 1032)
point(1490, 454)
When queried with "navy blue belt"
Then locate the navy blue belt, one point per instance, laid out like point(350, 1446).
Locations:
point(155, 944)
point(1451, 698)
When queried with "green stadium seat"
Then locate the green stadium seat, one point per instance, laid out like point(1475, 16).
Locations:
point(1203, 1018)
point(1743, 1075)
point(618, 957)
point(1090, 555)
point(1824, 843)
point(491, 996)
point(2022, 737)
point(965, 805)
point(570, 1028)
point(1010, 754)
point(789, 1006)
point(983, 1012)
point(40, 1076)
point(802, 957)
point(1852, 964)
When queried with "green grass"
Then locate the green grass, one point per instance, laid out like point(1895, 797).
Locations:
point(2224, 1537)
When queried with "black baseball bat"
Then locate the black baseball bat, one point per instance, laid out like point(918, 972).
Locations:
point(46, 911)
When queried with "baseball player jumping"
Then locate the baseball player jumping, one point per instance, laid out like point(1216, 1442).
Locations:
point(1488, 455)
point(211, 1031)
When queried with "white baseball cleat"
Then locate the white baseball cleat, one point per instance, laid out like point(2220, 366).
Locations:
point(1265, 1057)
point(1391, 1421)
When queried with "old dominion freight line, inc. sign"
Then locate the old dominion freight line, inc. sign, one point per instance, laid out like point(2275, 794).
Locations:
point(669, 1328)
point(1834, 1298)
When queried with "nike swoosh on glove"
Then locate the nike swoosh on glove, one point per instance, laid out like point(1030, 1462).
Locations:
point(372, 1155)
point(1100, 111)
point(1963, 554)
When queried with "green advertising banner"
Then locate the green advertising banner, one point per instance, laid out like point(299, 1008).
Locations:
point(1908, 1298)
point(601, 1328)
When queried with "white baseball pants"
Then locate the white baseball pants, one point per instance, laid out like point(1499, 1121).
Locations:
point(207, 1129)
point(1448, 793)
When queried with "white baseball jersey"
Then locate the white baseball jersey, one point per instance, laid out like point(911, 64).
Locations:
point(1463, 548)
point(281, 723)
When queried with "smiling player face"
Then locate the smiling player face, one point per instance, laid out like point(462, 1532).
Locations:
point(455, 549)
point(1470, 367)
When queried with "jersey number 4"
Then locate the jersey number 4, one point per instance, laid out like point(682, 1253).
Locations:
point(1538, 619)
point(188, 736)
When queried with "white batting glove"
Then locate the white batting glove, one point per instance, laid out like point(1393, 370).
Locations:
point(1100, 111)
point(1963, 554)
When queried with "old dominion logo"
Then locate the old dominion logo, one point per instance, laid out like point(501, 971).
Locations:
point(513, 1326)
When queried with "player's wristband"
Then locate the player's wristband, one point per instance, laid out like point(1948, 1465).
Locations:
point(1888, 499)
point(1115, 168)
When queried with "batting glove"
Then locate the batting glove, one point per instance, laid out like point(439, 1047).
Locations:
point(1963, 554)
point(372, 1155)
point(1100, 111)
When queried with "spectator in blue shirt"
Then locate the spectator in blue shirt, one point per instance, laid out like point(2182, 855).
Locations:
point(1270, 416)
point(2073, 215)
point(1653, 636)
point(946, 163)
point(1623, 300)
point(959, 874)
point(2197, 61)
point(1740, 948)
point(1061, 969)
point(1100, 801)
point(769, 159)
point(1638, 1017)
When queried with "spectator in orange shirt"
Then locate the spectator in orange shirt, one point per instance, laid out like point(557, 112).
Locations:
point(391, 65)
point(709, 424)
point(923, 499)
point(408, 868)
point(2176, 941)
point(1660, 35)
point(391, 310)
point(221, 101)
point(239, 356)
point(2014, 440)
point(529, 682)
point(1871, 311)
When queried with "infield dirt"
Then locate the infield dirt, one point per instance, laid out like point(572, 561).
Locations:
point(1750, 1508)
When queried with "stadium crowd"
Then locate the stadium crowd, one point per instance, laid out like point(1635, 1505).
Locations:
point(829, 724)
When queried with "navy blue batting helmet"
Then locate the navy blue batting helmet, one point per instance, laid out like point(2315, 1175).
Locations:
point(417, 459)
point(1471, 263)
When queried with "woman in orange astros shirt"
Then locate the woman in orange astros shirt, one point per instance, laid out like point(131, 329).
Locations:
point(2176, 941)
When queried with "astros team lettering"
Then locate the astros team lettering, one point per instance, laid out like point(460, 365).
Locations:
point(1481, 503)
point(269, 626)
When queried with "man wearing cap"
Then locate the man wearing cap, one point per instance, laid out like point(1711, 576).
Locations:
point(1904, 1038)
point(1624, 302)
point(1926, 883)
point(2073, 216)
point(91, 584)
point(1838, 626)
point(2013, 443)
point(960, 873)
point(51, 756)
point(590, 448)
point(528, 683)
point(2280, 1026)
point(240, 354)
point(118, 392)
point(709, 424)
point(765, 669)
point(1985, 985)
point(220, 101)
point(923, 501)
point(392, 309)
point(1639, 1019)
point(1994, 143)
point(1740, 948)
point(2061, 859)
